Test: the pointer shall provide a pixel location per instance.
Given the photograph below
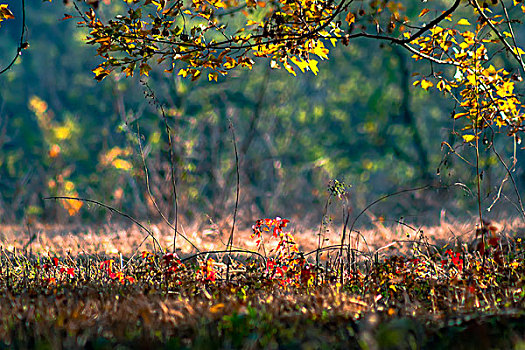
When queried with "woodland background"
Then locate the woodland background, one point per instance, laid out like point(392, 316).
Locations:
point(359, 121)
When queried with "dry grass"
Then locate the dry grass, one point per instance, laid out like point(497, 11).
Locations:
point(125, 239)
point(397, 295)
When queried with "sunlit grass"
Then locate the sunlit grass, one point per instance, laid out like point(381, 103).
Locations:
point(268, 293)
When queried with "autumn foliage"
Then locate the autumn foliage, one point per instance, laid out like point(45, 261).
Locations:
point(202, 37)
point(252, 297)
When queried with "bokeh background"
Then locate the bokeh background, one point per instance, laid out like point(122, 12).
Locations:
point(359, 121)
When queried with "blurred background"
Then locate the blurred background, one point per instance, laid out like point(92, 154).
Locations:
point(359, 121)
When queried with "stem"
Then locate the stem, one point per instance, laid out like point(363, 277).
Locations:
point(318, 250)
point(172, 164)
point(237, 192)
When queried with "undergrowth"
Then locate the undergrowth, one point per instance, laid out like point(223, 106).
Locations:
point(469, 294)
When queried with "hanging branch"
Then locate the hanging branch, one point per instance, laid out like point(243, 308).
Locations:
point(22, 44)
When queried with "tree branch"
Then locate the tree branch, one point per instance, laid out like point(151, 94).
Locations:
point(21, 44)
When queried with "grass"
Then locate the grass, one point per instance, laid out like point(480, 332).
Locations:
point(108, 288)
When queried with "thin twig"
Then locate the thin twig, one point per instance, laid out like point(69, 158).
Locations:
point(257, 106)
point(509, 174)
point(172, 163)
point(237, 192)
point(385, 197)
point(334, 247)
point(150, 195)
point(110, 208)
point(237, 187)
point(343, 238)
point(241, 251)
point(321, 227)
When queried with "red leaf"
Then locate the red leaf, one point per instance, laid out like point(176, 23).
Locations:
point(494, 241)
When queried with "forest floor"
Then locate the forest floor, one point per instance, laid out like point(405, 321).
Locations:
point(399, 286)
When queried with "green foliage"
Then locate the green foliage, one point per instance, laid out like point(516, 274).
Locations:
point(357, 120)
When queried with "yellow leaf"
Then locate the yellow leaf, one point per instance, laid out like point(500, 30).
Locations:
point(299, 63)
point(69, 186)
point(468, 138)
point(219, 4)
point(62, 132)
point(103, 40)
point(425, 84)
point(216, 308)
point(491, 70)
point(320, 50)
point(518, 51)
point(436, 30)
point(196, 74)
point(100, 73)
point(350, 18)
point(129, 70)
point(212, 76)
point(459, 115)
point(463, 22)
point(160, 4)
point(230, 63)
point(5, 13)
point(183, 72)
point(424, 12)
point(303, 65)
point(122, 164)
point(144, 69)
point(313, 66)
point(441, 85)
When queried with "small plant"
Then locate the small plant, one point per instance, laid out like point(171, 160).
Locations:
point(108, 267)
point(284, 260)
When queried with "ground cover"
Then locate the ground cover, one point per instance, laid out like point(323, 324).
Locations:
point(114, 287)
